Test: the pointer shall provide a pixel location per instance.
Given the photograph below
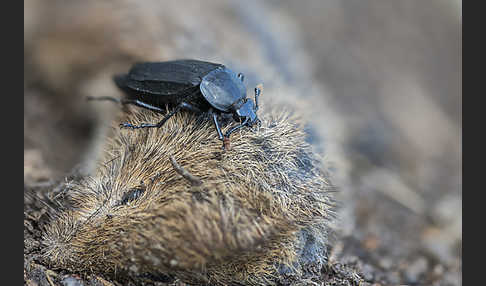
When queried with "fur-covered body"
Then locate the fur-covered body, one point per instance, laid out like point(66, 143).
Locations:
point(260, 215)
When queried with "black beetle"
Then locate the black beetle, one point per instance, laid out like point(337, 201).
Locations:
point(193, 85)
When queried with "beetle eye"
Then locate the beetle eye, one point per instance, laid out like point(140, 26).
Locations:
point(241, 76)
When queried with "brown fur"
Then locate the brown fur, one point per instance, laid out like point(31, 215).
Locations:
point(239, 226)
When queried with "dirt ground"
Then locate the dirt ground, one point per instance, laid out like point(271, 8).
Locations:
point(379, 81)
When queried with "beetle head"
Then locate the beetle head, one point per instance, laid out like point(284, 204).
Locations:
point(247, 111)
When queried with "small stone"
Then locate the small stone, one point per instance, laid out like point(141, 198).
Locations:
point(438, 270)
point(393, 278)
point(71, 281)
point(133, 268)
point(447, 210)
point(385, 263)
point(173, 262)
point(367, 272)
point(371, 243)
point(416, 269)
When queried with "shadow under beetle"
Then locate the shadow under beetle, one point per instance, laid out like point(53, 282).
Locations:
point(192, 85)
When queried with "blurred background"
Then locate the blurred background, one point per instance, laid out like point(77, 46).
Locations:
point(379, 81)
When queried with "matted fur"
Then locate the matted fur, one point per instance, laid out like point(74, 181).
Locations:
point(240, 226)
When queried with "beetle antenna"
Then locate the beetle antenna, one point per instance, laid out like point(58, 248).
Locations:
point(258, 91)
point(227, 135)
point(241, 76)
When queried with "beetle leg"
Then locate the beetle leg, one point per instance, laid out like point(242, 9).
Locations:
point(127, 101)
point(141, 104)
point(216, 124)
point(151, 125)
point(116, 100)
point(154, 108)
point(227, 135)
